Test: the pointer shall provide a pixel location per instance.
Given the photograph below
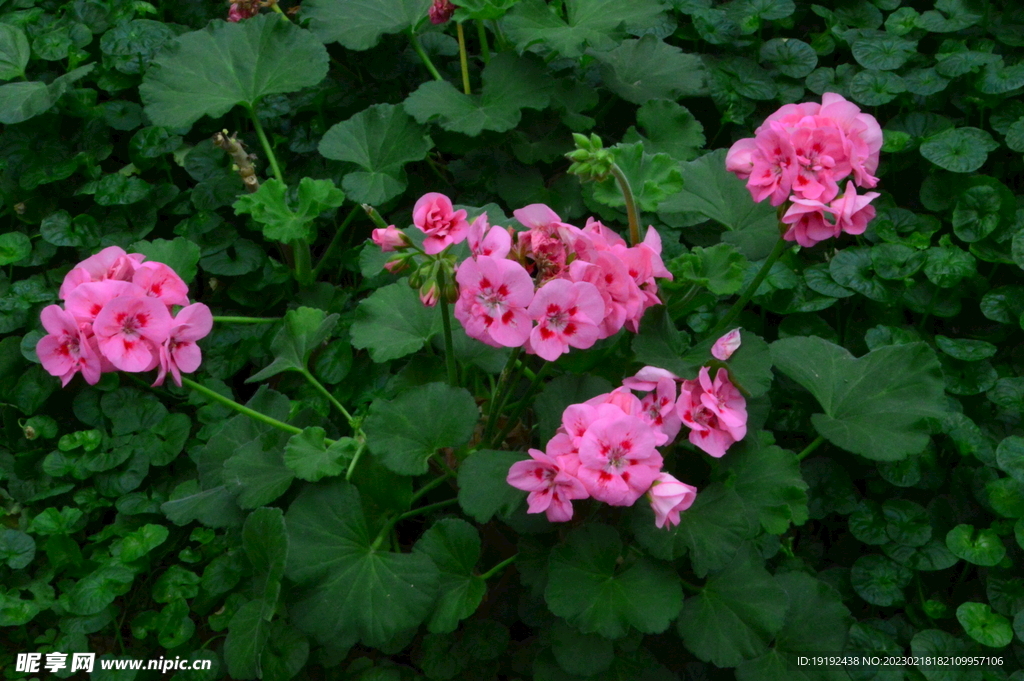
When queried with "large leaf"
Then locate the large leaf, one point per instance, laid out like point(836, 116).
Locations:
point(356, 591)
point(712, 191)
point(265, 541)
point(359, 24)
point(454, 546)
point(646, 69)
point(380, 140)
point(406, 431)
point(669, 128)
point(768, 480)
point(511, 84)
point(483, 491)
point(587, 586)
point(735, 615)
point(874, 405)
point(22, 101)
point(14, 52)
point(207, 72)
point(652, 178)
point(588, 23)
point(393, 323)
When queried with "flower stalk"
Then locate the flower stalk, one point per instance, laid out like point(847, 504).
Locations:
point(463, 58)
point(737, 307)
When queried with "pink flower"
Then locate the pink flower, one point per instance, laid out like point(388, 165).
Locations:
point(493, 297)
point(853, 212)
point(434, 215)
point(67, 350)
point(110, 263)
point(715, 412)
point(567, 314)
point(739, 160)
point(88, 299)
point(774, 165)
point(441, 11)
point(619, 461)
point(389, 238)
point(726, 345)
point(669, 498)
point(817, 151)
point(551, 488)
point(179, 353)
point(808, 224)
point(158, 280)
point(487, 240)
point(648, 378)
point(130, 330)
point(862, 135)
point(622, 298)
point(659, 410)
point(243, 10)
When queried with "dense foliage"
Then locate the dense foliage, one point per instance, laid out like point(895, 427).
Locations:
point(353, 520)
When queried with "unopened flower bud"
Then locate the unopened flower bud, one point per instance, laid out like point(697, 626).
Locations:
point(397, 265)
point(451, 291)
point(390, 238)
point(441, 11)
point(429, 294)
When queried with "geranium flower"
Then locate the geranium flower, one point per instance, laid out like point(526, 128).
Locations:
point(853, 212)
point(157, 280)
point(726, 345)
point(110, 263)
point(551, 488)
point(88, 299)
point(129, 331)
point(435, 216)
point(669, 498)
point(618, 460)
point(179, 353)
point(493, 299)
point(486, 240)
point(66, 349)
point(714, 411)
point(389, 238)
point(567, 314)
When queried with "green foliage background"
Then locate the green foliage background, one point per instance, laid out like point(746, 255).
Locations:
point(139, 522)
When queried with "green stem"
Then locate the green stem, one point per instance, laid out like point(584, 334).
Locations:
point(449, 350)
point(692, 588)
point(499, 567)
point(481, 34)
point(303, 262)
point(374, 216)
point(355, 460)
point(429, 486)
point(737, 307)
point(241, 408)
point(423, 56)
point(811, 447)
point(335, 242)
point(330, 398)
point(426, 509)
point(631, 213)
point(246, 320)
point(498, 397)
point(267, 149)
point(514, 417)
point(463, 59)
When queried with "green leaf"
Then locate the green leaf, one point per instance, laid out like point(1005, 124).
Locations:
point(735, 614)
point(355, 591)
point(510, 84)
point(947, 265)
point(14, 52)
point(769, 482)
point(14, 247)
point(359, 24)
point(792, 57)
point(257, 475)
point(977, 213)
point(392, 322)
point(277, 219)
point(652, 178)
point(874, 88)
point(285, 654)
point(932, 643)
point(984, 626)
point(907, 523)
point(712, 191)
point(17, 549)
point(181, 255)
point(214, 507)
point(874, 406)
point(883, 52)
point(247, 637)
point(60, 229)
point(143, 540)
point(51, 521)
point(208, 72)
point(964, 349)
point(959, 150)
point(174, 583)
point(454, 547)
point(588, 23)
point(406, 431)
point(669, 128)
point(1010, 457)
point(879, 581)
point(303, 331)
point(960, 17)
point(646, 69)
point(978, 547)
point(561, 392)
point(98, 589)
point(587, 587)
point(719, 268)
point(22, 101)
point(311, 459)
point(483, 491)
point(265, 542)
point(380, 140)
point(867, 523)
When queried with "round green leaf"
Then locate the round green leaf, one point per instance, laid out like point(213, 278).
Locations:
point(960, 150)
point(1010, 457)
point(924, 82)
point(17, 549)
point(883, 52)
point(967, 378)
point(1004, 304)
point(874, 88)
point(581, 654)
point(359, 24)
point(207, 72)
point(867, 523)
point(977, 213)
point(984, 626)
point(454, 547)
point(964, 349)
point(1015, 136)
point(792, 57)
point(879, 581)
point(982, 547)
point(907, 523)
point(14, 247)
point(14, 52)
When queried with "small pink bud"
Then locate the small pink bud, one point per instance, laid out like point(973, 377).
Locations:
point(397, 265)
point(390, 239)
point(726, 345)
point(429, 294)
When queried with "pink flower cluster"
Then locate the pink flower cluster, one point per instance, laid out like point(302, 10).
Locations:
point(117, 315)
point(554, 286)
point(441, 11)
point(800, 154)
point(606, 447)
